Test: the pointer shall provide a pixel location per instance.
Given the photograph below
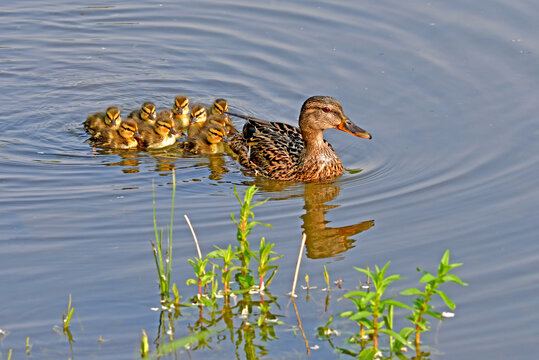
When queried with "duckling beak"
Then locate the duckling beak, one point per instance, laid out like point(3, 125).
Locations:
point(225, 140)
point(152, 116)
point(113, 123)
point(349, 127)
point(172, 131)
point(137, 136)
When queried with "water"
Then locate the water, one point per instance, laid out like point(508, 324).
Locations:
point(448, 90)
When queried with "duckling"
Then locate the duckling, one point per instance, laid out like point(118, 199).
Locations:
point(207, 141)
point(181, 114)
point(96, 123)
point(145, 116)
point(224, 121)
point(285, 152)
point(125, 137)
point(161, 134)
point(198, 118)
point(218, 106)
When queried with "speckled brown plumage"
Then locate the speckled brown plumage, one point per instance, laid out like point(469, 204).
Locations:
point(284, 152)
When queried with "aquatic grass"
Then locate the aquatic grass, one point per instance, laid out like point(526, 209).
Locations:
point(164, 268)
point(144, 346)
point(263, 257)
point(28, 346)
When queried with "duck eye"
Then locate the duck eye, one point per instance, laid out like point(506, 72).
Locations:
point(325, 109)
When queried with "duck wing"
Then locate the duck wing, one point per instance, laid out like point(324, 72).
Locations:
point(268, 148)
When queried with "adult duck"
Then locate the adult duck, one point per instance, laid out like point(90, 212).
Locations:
point(284, 152)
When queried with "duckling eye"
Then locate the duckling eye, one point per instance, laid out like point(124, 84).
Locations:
point(325, 109)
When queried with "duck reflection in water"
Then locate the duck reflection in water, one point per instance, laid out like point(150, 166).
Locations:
point(322, 241)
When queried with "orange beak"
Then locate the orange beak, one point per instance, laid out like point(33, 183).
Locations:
point(349, 127)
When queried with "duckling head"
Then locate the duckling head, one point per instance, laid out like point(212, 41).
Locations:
point(219, 105)
point(112, 116)
point(164, 123)
point(319, 113)
point(129, 129)
point(198, 113)
point(147, 112)
point(215, 133)
point(181, 105)
point(221, 120)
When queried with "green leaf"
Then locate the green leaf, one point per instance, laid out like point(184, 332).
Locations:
point(346, 314)
point(357, 293)
point(454, 278)
point(367, 354)
point(412, 291)
point(427, 277)
point(445, 258)
point(360, 315)
point(399, 337)
point(396, 303)
point(450, 304)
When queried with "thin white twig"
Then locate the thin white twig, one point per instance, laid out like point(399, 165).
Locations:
point(293, 293)
point(194, 235)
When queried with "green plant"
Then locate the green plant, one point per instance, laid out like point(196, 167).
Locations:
point(28, 346)
point(263, 256)
point(372, 307)
point(245, 225)
point(421, 306)
point(202, 279)
point(164, 268)
point(228, 256)
point(66, 317)
point(144, 346)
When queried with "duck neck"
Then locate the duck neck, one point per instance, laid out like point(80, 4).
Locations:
point(313, 141)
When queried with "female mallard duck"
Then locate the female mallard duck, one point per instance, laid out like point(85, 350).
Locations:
point(207, 141)
point(125, 137)
point(145, 116)
point(161, 134)
point(284, 152)
point(198, 118)
point(96, 123)
point(181, 114)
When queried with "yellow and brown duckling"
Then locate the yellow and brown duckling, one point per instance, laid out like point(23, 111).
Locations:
point(198, 118)
point(224, 121)
point(284, 152)
point(145, 116)
point(98, 122)
point(125, 137)
point(208, 141)
point(181, 114)
point(218, 107)
point(161, 134)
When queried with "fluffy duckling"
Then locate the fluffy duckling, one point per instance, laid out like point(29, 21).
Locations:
point(145, 116)
point(218, 106)
point(224, 121)
point(96, 123)
point(181, 114)
point(161, 134)
point(208, 141)
point(125, 137)
point(198, 118)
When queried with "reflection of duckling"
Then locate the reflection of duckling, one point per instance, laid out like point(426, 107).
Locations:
point(198, 118)
point(207, 141)
point(125, 137)
point(218, 106)
point(96, 123)
point(161, 134)
point(181, 114)
point(145, 116)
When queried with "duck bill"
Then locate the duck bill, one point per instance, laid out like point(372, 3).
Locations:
point(173, 132)
point(349, 127)
point(152, 116)
point(137, 136)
